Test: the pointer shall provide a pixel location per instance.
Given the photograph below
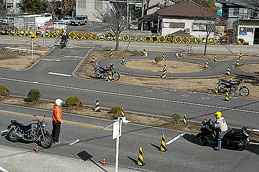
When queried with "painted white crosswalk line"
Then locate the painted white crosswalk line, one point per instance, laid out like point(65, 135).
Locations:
point(253, 143)
point(59, 74)
point(51, 60)
point(74, 142)
point(174, 139)
point(3, 170)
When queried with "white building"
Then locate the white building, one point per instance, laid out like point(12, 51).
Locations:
point(188, 16)
point(91, 8)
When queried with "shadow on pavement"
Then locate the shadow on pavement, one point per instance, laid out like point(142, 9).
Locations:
point(133, 160)
point(191, 138)
point(86, 156)
point(157, 147)
point(253, 149)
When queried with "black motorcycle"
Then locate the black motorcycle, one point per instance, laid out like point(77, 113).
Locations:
point(236, 138)
point(232, 87)
point(63, 43)
point(34, 132)
point(104, 72)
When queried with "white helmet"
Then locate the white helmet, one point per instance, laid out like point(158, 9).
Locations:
point(58, 102)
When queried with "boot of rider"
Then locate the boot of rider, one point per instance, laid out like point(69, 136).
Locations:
point(219, 146)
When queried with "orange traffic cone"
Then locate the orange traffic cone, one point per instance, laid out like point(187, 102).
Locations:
point(37, 149)
point(104, 163)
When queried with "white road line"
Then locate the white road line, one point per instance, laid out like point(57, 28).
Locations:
point(59, 74)
point(185, 95)
point(253, 143)
point(51, 60)
point(174, 139)
point(3, 170)
point(148, 91)
point(74, 56)
point(205, 98)
point(129, 95)
point(255, 130)
point(74, 142)
point(165, 93)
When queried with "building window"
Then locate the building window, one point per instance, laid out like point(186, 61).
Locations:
point(236, 12)
point(176, 25)
point(199, 27)
point(246, 31)
point(81, 3)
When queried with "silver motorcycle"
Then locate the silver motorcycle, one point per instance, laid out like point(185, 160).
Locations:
point(34, 132)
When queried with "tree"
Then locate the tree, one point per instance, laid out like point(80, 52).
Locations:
point(210, 4)
point(115, 20)
point(33, 6)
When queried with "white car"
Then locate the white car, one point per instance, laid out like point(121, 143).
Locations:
point(66, 20)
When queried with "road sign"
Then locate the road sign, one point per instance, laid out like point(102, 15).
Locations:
point(32, 36)
point(43, 28)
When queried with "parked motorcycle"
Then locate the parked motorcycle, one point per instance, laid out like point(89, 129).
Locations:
point(34, 132)
point(236, 138)
point(103, 72)
point(232, 87)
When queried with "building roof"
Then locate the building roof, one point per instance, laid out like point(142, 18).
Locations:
point(186, 9)
point(245, 3)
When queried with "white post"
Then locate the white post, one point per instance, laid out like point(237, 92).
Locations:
point(117, 146)
point(44, 40)
point(32, 49)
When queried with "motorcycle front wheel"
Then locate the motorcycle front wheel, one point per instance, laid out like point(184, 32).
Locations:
point(222, 88)
point(116, 76)
point(11, 136)
point(244, 91)
point(242, 146)
point(47, 142)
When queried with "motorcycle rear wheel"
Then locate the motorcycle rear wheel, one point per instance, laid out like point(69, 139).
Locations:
point(11, 136)
point(201, 140)
point(242, 146)
point(47, 142)
point(244, 91)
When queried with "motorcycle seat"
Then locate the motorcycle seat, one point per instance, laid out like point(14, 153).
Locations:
point(24, 127)
point(236, 131)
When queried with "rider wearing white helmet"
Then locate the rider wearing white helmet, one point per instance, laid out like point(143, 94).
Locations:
point(56, 120)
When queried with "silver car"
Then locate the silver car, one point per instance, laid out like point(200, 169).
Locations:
point(79, 20)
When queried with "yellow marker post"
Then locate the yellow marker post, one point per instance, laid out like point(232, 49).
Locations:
point(140, 158)
point(32, 36)
point(163, 147)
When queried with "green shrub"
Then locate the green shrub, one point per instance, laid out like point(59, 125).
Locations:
point(176, 117)
point(116, 109)
point(159, 59)
point(33, 95)
point(73, 101)
point(4, 91)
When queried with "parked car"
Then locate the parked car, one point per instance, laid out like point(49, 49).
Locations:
point(79, 20)
point(66, 20)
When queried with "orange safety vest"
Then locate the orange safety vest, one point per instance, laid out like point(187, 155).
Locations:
point(57, 114)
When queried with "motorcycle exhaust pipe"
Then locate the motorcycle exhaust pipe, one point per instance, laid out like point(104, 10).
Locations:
point(18, 135)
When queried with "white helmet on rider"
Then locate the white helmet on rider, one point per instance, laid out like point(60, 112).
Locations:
point(58, 102)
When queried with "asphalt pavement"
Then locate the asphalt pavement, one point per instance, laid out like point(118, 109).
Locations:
point(96, 143)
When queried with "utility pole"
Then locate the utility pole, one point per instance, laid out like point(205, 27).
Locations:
point(127, 12)
point(142, 14)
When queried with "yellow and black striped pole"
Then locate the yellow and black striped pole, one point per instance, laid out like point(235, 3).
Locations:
point(93, 59)
point(122, 112)
point(140, 157)
point(144, 52)
point(97, 106)
point(226, 96)
point(237, 62)
point(164, 73)
point(240, 56)
point(185, 119)
point(206, 65)
point(163, 147)
point(181, 53)
point(230, 79)
point(111, 53)
point(216, 90)
point(228, 71)
point(109, 78)
point(163, 56)
point(123, 60)
point(215, 58)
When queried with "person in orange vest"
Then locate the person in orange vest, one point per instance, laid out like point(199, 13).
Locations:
point(56, 121)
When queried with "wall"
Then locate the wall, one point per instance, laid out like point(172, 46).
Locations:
point(248, 37)
point(188, 25)
point(90, 7)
